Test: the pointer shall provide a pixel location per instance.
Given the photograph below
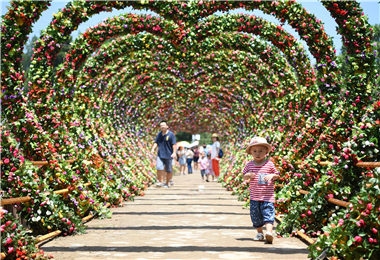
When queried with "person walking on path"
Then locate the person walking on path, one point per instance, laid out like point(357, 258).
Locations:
point(203, 163)
point(181, 153)
point(214, 154)
point(261, 172)
point(209, 170)
point(196, 158)
point(189, 160)
point(166, 143)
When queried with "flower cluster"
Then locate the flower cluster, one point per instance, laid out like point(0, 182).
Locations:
point(200, 72)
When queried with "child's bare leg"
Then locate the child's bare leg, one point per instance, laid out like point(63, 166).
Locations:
point(260, 230)
point(269, 234)
point(269, 227)
point(160, 176)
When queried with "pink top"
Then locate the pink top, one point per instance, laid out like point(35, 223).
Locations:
point(259, 189)
point(203, 162)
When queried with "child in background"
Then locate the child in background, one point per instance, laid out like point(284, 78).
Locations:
point(203, 162)
point(210, 171)
point(261, 173)
point(181, 154)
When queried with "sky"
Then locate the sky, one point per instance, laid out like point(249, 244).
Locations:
point(371, 8)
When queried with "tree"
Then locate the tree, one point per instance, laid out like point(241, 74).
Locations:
point(183, 136)
point(27, 55)
point(62, 53)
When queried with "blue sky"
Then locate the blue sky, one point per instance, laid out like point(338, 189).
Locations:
point(371, 9)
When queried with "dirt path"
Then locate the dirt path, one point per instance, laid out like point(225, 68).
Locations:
point(191, 220)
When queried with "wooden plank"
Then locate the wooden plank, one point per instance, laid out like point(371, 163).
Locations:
point(27, 198)
point(63, 191)
point(90, 216)
point(39, 163)
point(339, 202)
point(15, 200)
point(359, 164)
point(368, 164)
point(48, 236)
point(85, 219)
point(299, 233)
point(325, 163)
point(305, 237)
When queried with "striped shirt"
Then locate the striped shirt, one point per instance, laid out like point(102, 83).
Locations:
point(261, 190)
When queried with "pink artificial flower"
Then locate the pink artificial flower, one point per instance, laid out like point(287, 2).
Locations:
point(358, 239)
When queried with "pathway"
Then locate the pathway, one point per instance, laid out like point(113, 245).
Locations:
point(191, 220)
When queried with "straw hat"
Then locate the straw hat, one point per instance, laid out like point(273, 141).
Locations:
point(215, 135)
point(255, 141)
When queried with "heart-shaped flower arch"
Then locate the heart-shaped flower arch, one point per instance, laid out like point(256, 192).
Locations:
point(236, 74)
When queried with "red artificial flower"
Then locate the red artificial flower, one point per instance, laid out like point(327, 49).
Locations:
point(358, 239)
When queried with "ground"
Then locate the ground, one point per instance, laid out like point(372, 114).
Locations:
point(191, 220)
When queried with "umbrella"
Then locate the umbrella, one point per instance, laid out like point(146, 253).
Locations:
point(183, 144)
point(196, 143)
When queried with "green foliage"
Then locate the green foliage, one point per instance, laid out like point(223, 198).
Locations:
point(183, 136)
point(205, 138)
point(27, 55)
point(120, 77)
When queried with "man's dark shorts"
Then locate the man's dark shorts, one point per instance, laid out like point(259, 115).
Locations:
point(164, 164)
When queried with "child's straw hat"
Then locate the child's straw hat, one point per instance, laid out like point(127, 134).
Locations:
point(255, 141)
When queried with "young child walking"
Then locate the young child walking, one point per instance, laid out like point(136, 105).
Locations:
point(203, 162)
point(261, 173)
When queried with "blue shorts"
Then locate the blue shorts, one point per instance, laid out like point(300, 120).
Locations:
point(164, 164)
point(261, 212)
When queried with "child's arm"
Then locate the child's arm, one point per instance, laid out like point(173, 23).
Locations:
point(248, 176)
point(269, 177)
point(274, 174)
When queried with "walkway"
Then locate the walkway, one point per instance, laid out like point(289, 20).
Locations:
point(191, 220)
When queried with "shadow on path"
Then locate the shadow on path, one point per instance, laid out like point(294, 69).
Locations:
point(169, 227)
point(178, 213)
point(275, 250)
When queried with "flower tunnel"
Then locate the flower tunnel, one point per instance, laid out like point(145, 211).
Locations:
point(94, 117)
